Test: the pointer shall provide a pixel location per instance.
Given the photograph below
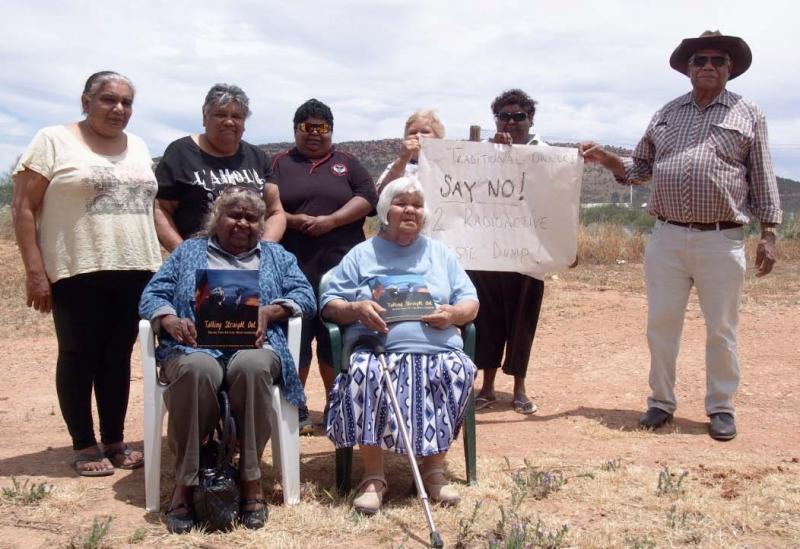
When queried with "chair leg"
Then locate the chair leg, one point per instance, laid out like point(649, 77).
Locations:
point(344, 467)
point(276, 421)
point(469, 442)
point(289, 452)
point(153, 425)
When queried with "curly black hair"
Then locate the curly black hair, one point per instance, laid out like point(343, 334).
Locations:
point(313, 108)
point(514, 97)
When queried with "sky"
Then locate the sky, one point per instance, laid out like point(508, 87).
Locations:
point(599, 70)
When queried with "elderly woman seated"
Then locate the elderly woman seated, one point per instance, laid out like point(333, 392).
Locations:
point(195, 374)
point(392, 273)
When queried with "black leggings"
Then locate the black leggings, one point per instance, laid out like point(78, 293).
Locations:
point(507, 319)
point(96, 317)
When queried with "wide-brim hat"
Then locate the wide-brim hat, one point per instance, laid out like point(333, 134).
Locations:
point(739, 51)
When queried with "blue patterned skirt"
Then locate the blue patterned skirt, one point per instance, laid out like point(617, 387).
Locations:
point(433, 392)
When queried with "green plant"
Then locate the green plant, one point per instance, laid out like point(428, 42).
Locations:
point(674, 519)
point(515, 532)
point(94, 539)
point(538, 483)
point(666, 483)
point(639, 543)
point(465, 525)
point(137, 536)
point(612, 465)
point(24, 493)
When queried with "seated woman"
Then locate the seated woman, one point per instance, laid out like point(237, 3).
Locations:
point(423, 123)
point(427, 353)
point(194, 375)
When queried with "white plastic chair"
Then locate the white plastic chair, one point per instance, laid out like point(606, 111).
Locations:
point(283, 420)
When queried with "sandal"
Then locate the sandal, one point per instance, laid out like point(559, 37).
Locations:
point(444, 493)
point(125, 452)
point(524, 407)
point(80, 458)
point(483, 402)
point(179, 523)
point(370, 503)
point(253, 519)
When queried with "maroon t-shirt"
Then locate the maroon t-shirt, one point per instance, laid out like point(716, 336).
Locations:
point(320, 187)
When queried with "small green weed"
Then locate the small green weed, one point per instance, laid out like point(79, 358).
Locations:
point(137, 536)
point(666, 484)
point(538, 483)
point(25, 493)
point(639, 543)
point(516, 531)
point(612, 465)
point(465, 526)
point(521, 533)
point(94, 539)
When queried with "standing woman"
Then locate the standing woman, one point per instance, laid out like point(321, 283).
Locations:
point(327, 194)
point(510, 302)
point(197, 168)
point(83, 216)
point(422, 123)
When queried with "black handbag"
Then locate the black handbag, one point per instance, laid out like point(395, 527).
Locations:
point(216, 498)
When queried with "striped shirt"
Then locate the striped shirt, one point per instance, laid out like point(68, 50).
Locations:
point(707, 164)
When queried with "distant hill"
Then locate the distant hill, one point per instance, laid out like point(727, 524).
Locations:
point(598, 183)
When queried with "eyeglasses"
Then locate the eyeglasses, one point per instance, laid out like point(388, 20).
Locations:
point(307, 127)
point(717, 61)
point(515, 116)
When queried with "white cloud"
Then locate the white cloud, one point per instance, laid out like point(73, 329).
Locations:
point(599, 70)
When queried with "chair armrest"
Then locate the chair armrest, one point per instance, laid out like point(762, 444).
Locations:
point(294, 329)
point(468, 335)
point(335, 334)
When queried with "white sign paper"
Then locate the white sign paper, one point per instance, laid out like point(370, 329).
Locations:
point(502, 207)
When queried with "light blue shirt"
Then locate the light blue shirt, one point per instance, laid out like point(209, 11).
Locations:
point(438, 266)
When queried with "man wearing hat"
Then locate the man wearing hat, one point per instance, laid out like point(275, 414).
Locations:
point(707, 155)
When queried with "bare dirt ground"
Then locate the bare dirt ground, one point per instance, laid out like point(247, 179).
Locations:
point(588, 375)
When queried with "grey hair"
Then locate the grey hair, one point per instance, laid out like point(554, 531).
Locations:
point(222, 94)
point(401, 185)
point(227, 199)
point(99, 79)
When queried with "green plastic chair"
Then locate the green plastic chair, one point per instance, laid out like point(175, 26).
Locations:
point(344, 456)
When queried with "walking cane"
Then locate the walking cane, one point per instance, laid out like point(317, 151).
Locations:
point(377, 349)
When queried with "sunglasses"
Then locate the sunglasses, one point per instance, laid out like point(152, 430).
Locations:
point(230, 189)
point(717, 61)
point(307, 127)
point(515, 116)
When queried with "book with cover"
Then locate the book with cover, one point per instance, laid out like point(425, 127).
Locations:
point(226, 308)
point(405, 297)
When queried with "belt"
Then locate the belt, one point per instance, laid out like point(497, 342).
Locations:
point(718, 226)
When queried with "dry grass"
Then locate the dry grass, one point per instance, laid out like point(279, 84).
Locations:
point(600, 505)
point(608, 503)
point(608, 244)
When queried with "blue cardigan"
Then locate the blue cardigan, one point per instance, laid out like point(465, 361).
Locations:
point(279, 278)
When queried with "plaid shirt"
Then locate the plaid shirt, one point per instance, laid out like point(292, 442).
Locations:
point(707, 164)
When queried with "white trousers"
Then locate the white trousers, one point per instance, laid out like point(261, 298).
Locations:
point(714, 262)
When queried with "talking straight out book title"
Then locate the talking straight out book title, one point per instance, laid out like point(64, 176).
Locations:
point(226, 308)
point(405, 297)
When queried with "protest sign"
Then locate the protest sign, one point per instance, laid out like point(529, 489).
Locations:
point(502, 207)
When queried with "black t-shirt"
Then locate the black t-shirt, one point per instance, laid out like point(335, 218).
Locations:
point(320, 187)
point(195, 178)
